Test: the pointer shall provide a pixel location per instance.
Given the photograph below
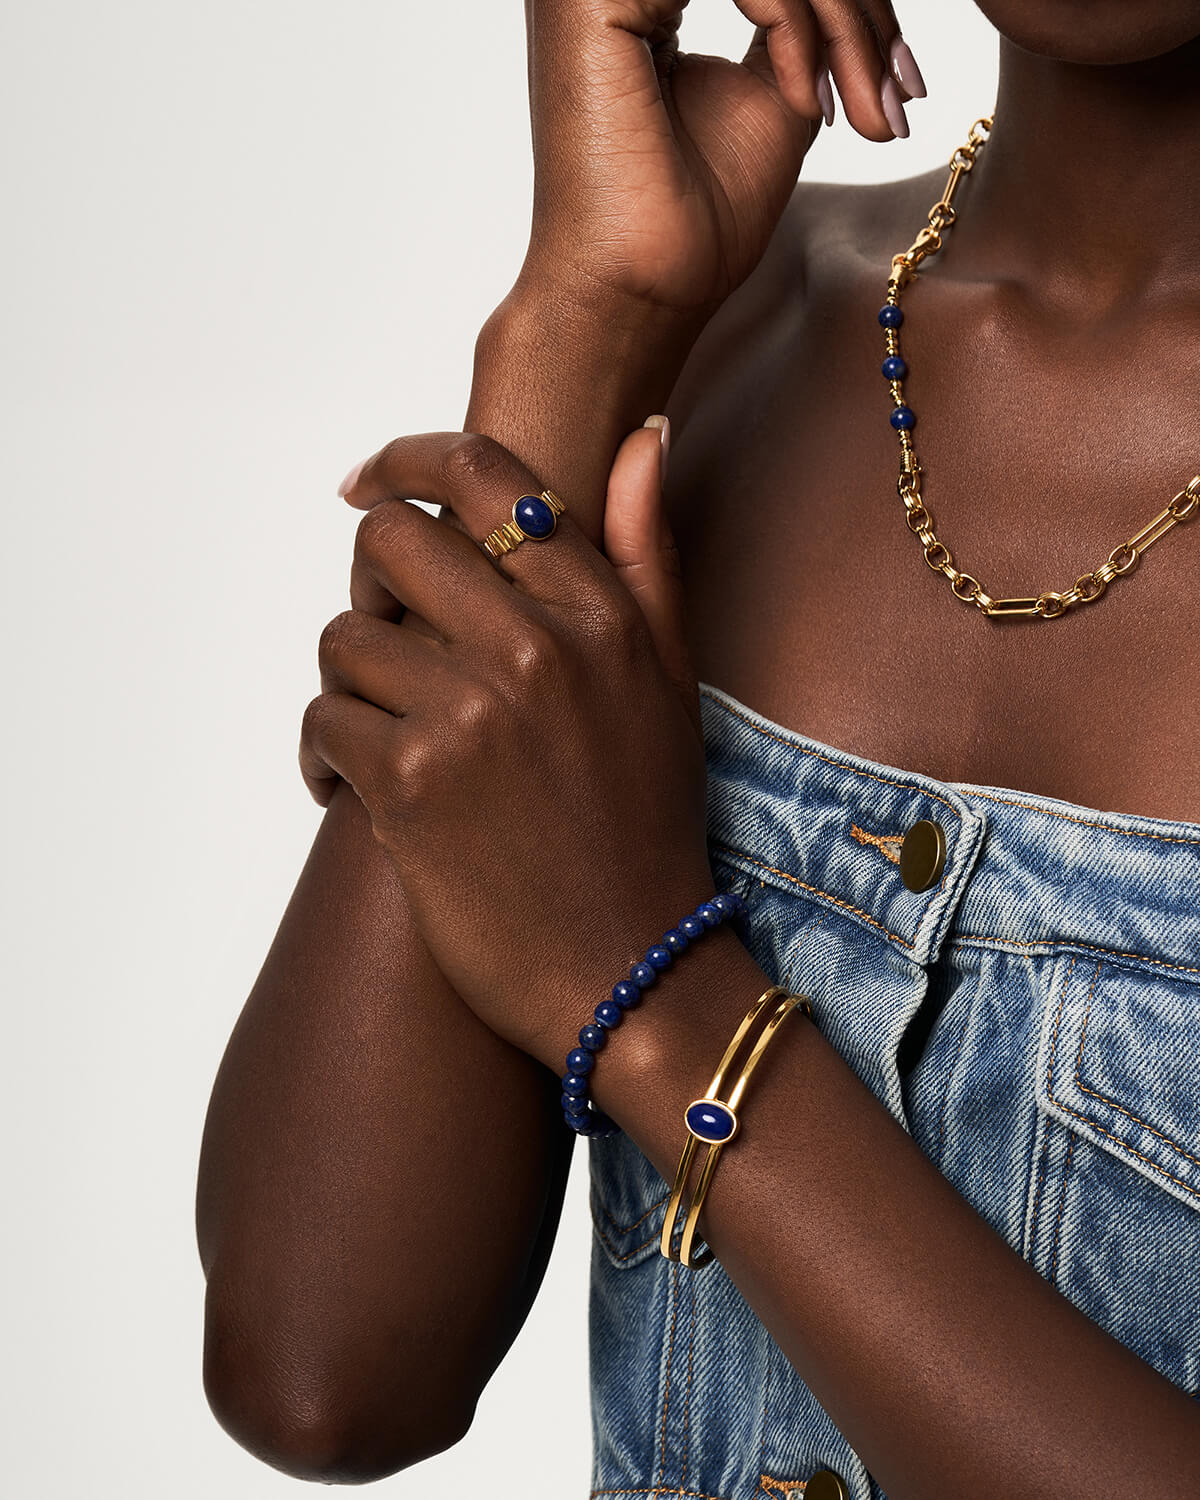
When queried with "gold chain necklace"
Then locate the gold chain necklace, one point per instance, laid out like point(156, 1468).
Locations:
point(1049, 605)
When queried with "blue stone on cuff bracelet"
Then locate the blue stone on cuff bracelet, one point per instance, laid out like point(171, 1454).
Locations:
point(608, 1014)
point(580, 1060)
point(592, 1037)
point(659, 957)
point(674, 940)
point(711, 1121)
point(625, 993)
point(691, 926)
point(573, 1083)
point(642, 975)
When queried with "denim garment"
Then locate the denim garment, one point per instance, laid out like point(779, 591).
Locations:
point(1056, 970)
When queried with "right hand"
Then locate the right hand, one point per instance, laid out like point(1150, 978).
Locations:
point(659, 175)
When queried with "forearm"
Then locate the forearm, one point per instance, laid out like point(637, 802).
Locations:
point(949, 1364)
point(334, 1231)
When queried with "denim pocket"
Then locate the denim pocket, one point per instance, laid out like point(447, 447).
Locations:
point(1114, 1202)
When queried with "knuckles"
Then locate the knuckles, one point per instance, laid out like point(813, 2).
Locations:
point(473, 456)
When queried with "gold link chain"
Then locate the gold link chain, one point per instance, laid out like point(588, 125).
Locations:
point(1048, 605)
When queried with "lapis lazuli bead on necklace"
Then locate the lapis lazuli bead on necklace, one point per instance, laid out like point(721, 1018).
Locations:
point(578, 1111)
point(1048, 604)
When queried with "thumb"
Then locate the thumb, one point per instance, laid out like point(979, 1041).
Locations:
point(639, 544)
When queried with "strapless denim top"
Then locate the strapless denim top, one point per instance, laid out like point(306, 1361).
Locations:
point(1055, 970)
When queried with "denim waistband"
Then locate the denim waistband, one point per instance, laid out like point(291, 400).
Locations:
point(1021, 871)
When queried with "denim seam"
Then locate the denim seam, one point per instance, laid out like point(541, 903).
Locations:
point(1112, 1103)
point(618, 1254)
point(662, 1449)
point(1131, 833)
point(762, 1444)
point(628, 1228)
point(660, 1489)
point(815, 890)
point(687, 1399)
point(1037, 1197)
point(1062, 1202)
point(1049, 942)
point(1112, 1136)
point(771, 1487)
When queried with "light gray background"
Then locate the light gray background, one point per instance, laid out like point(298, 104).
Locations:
point(244, 245)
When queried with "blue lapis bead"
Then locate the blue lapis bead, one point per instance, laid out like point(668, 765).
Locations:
point(691, 926)
point(574, 1105)
point(902, 418)
point(890, 316)
point(894, 368)
point(710, 915)
point(580, 1124)
point(726, 903)
point(643, 975)
point(674, 940)
point(711, 1121)
point(592, 1037)
point(580, 1060)
point(608, 1014)
point(573, 1084)
point(659, 958)
point(626, 993)
point(534, 516)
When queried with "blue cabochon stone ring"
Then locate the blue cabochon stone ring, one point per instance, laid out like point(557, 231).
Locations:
point(534, 517)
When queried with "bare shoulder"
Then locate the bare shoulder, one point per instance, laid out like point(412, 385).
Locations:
point(833, 243)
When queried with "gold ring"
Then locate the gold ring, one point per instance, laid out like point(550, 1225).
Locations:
point(534, 518)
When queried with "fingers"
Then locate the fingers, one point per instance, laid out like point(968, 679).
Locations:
point(343, 738)
point(858, 36)
point(799, 44)
point(642, 550)
point(379, 662)
point(480, 481)
point(787, 50)
point(404, 559)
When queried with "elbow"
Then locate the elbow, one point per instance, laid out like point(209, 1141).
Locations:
point(288, 1409)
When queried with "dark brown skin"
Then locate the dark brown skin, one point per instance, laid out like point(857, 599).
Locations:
point(343, 1189)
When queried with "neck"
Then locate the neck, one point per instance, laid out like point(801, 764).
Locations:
point(1089, 184)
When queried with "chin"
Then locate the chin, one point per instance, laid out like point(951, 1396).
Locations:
point(1101, 32)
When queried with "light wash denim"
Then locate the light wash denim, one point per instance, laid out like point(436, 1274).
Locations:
point(1059, 959)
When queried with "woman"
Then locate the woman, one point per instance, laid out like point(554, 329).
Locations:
point(957, 1237)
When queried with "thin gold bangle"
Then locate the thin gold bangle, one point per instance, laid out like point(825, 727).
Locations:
point(722, 1110)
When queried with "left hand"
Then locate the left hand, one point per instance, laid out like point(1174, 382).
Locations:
point(533, 762)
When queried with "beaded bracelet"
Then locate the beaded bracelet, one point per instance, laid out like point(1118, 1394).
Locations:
point(578, 1111)
point(711, 1121)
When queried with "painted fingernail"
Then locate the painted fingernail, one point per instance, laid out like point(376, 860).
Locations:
point(663, 424)
point(825, 95)
point(351, 479)
point(904, 65)
point(893, 108)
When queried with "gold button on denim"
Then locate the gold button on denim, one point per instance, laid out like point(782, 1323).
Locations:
point(923, 855)
point(826, 1485)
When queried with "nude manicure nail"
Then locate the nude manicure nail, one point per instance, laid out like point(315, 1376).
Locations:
point(351, 479)
point(893, 108)
point(664, 432)
point(904, 65)
point(825, 95)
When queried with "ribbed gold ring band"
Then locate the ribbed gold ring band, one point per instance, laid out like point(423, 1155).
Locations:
point(509, 536)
